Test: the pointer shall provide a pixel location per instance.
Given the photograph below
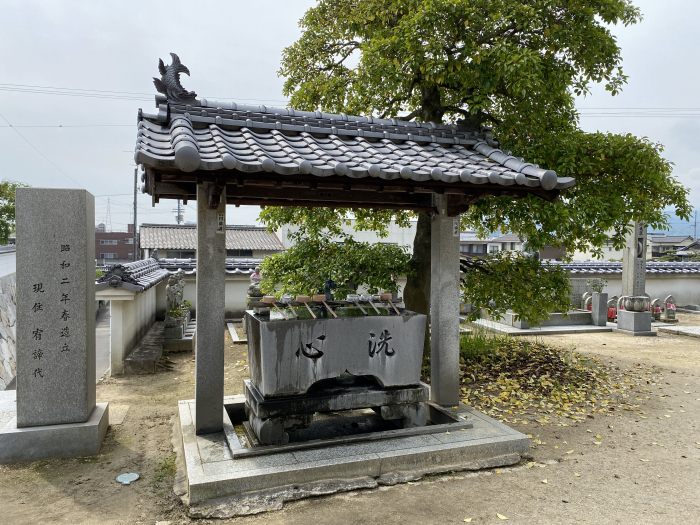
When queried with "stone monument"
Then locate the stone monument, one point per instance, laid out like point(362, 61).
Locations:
point(634, 261)
point(175, 318)
point(55, 409)
point(634, 319)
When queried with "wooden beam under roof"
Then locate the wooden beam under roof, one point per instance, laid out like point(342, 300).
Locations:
point(272, 189)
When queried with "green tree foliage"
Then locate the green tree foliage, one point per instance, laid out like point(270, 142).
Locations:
point(305, 267)
point(7, 209)
point(510, 65)
point(541, 288)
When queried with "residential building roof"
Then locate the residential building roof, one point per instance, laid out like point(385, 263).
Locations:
point(670, 239)
point(253, 145)
point(184, 237)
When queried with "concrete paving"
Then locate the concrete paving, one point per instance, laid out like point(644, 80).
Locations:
point(541, 330)
point(220, 486)
point(691, 331)
point(502, 328)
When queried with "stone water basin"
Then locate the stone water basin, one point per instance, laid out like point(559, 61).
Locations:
point(286, 357)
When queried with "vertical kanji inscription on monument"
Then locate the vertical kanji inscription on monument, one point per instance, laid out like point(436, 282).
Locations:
point(55, 306)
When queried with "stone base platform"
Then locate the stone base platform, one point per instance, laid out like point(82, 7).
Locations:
point(186, 343)
point(50, 441)
point(502, 328)
point(148, 352)
point(634, 323)
point(690, 331)
point(231, 325)
point(226, 476)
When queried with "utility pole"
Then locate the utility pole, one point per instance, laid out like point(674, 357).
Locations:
point(136, 245)
point(179, 212)
point(695, 226)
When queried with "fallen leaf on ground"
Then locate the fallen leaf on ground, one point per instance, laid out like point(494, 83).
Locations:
point(501, 516)
point(569, 451)
point(467, 520)
point(545, 481)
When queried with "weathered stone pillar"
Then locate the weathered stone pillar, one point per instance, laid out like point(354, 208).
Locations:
point(444, 306)
point(211, 272)
point(599, 309)
point(634, 260)
point(54, 412)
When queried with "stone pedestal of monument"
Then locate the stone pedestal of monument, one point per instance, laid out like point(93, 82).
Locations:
point(54, 413)
point(634, 323)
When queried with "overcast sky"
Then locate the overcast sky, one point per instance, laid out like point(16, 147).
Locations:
point(74, 73)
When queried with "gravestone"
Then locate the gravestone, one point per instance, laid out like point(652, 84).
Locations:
point(55, 410)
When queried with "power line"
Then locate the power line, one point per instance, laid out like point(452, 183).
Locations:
point(69, 126)
point(106, 94)
point(39, 152)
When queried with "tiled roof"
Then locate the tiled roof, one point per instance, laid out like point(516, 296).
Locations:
point(184, 237)
point(228, 136)
point(189, 266)
point(672, 239)
point(471, 237)
point(592, 268)
point(506, 238)
point(188, 135)
point(136, 276)
point(611, 268)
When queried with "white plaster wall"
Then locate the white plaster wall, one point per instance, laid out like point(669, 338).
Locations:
point(684, 288)
point(8, 263)
point(236, 292)
point(396, 234)
point(8, 329)
point(130, 320)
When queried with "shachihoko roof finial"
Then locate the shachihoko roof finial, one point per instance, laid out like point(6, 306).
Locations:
point(169, 82)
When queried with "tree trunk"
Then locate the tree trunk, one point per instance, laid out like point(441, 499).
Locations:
point(417, 292)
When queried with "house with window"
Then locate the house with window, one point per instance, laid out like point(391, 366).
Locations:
point(471, 244)
point(662, 244)
point(179, 241)
point(113, 247)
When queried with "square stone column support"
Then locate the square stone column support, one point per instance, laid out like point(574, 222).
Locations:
point(211, 273)
point(599, 309)
point(117, 344)
point(444, 306)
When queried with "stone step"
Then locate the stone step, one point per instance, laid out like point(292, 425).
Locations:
point(186, 343)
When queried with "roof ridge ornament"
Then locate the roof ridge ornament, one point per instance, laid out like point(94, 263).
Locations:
point(169, 82)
